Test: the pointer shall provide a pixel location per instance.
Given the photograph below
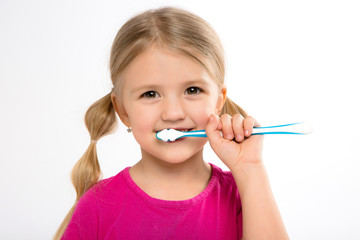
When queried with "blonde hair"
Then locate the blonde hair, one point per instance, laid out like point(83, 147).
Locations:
point(174, 28)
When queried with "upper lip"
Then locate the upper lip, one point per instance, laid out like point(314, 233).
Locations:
point(176, 128)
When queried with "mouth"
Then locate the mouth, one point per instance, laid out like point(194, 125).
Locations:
point(171, 138)
point(184, 129)
point(178, 129)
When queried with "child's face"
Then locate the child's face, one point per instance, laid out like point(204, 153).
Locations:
point(163, 89)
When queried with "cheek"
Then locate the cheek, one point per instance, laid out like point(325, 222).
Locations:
point(200, 113)
point(142, 119)
point(142, 124)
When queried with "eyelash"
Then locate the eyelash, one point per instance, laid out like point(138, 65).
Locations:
point(146, 94)
point(155, 94)
point(198, 90)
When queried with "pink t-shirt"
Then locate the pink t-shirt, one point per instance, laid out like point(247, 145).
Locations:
point(116, 208)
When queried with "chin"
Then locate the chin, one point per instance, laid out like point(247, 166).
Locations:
point(172, 157)
point(175, 158)
point(176, 152)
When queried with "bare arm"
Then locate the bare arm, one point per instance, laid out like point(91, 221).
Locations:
point(261, 217)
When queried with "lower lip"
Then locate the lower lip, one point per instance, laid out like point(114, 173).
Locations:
point(177, 140)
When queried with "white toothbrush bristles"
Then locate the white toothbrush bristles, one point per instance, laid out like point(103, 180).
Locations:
point(168, 135)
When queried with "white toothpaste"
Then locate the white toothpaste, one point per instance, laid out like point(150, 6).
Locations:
point(168, 135)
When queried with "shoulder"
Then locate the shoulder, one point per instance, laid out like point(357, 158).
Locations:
point(94, 203)
point(224, 177)
point(102, 191)
point(105, 188)
point(225, 183)
point(226, 189)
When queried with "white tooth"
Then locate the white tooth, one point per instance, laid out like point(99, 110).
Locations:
point(186, 130)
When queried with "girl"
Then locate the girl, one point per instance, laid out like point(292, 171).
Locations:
point(167, 68)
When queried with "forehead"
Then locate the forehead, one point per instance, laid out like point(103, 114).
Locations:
point(162, 65)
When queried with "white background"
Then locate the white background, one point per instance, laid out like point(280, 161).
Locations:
point(287, 61)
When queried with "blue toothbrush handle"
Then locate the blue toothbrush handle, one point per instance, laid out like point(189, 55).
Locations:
point(300, 128)
point(196, 133)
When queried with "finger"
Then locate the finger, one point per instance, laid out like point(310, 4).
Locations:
point(249, 123)
point(227, 129)
point(237, 124)
point(219, 125)
point(212, 129)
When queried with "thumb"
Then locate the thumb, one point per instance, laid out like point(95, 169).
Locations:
point(212, 130)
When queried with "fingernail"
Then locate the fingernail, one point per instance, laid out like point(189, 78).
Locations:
point(238, 136)
point(246, 133)
point(211, 118)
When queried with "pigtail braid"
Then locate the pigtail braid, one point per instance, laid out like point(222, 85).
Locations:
point(100, 120)
point(232, 108)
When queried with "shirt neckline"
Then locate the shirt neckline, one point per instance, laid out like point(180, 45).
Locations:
point(172, 203)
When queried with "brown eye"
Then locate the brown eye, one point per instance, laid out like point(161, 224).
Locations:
point(193, 90)
point(150, 94)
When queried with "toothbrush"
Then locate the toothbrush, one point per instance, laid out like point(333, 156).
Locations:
point(301, 128)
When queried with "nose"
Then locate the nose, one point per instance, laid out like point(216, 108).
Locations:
point(172, 110)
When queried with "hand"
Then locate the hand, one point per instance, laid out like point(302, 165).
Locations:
point(236, 148)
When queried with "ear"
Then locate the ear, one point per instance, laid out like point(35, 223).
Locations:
point(120, 110)
point(221, 100)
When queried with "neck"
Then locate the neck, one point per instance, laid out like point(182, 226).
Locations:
point(159, 178)
point(157, 168)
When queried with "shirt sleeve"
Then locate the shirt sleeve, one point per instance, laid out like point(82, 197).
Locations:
point(239, 224)
point(84, 221)
point(239, 217)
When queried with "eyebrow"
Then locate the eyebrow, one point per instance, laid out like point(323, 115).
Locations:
point(198, 81)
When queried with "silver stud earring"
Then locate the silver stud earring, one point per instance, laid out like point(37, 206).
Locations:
point(129, 130)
